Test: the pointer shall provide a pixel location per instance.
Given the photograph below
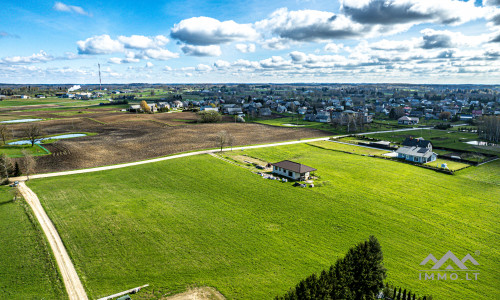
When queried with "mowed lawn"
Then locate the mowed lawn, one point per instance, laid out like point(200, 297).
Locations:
point(27, 267)
point(201, 221)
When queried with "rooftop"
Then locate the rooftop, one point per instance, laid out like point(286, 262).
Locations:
point(293, 166)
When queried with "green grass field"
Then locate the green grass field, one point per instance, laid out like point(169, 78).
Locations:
point(202, 221)
point(16, 150)
point(348, 148)
point(289, 121)
point(452, 165)
point(27, 267)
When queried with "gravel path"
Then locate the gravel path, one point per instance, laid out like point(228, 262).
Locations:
point(71, 280)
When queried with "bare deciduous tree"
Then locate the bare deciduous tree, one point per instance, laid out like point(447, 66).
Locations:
point(230, 140)
point(5, 167)
point(28, 163)
point(33, 132)
point(221, 138)
point(5, 133)
point(489, 128)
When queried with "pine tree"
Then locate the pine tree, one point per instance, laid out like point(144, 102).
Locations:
point(17, 171)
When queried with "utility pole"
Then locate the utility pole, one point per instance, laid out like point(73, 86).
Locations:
point(99, 65)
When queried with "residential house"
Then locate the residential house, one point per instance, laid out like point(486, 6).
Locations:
point(417, 150)
point(292, 170)
point(264, 112)
point(407, 120)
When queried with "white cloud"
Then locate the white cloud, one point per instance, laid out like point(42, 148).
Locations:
point(276, 44)
point(143, 42)
point(309, 25)
point(332, 47)
point(41, 56)
point(99, 44)
point(203, 68)
point(222, 64)
point(201, 50)
point(167, 68)
point(59, 6)
point(115, 60)
point(160, 54)
point(149, 64)
point(245, 48)
point(203, 31)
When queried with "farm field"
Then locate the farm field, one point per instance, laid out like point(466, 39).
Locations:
point(200, 221)
point(121, 137)
point(27, 267)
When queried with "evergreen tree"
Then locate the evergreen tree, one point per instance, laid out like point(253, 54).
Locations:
point(17, 171)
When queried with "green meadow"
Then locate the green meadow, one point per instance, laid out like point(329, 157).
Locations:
point(27, 268)
point(200, 221)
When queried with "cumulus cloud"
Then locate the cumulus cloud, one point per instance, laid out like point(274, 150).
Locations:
point(143, 42)
point(221, 64)
point(436, 40)
point(160, 54)
point(203, 68)
point(391, 12)
point(332, 47)
point(245, 48)
point(59, 6)
point(203, 31)
point(41, 56)
point(149, 64)
point(99, 44)
point(276, 44)
point(212, 50)
point(309, 25)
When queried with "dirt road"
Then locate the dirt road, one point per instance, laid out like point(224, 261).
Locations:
point(71, 280)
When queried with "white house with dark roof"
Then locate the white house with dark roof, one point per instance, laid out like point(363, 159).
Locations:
point(292, 170)
point(417, 150)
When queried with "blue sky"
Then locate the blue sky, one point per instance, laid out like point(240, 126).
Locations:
point(414, 41)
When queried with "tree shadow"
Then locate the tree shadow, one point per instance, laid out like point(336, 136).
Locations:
point(6, 202)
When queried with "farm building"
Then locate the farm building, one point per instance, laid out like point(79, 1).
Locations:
point(407, 121)
point(417, 150)
point(292, 170)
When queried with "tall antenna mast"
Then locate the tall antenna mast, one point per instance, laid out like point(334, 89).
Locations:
point(99, 65)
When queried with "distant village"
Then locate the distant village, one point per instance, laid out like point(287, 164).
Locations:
point(336, 103)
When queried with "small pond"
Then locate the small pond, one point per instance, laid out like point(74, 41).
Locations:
point(21, 121)
point(58, 137)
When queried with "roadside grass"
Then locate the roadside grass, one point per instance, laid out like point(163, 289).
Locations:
point(204, 222)
point(27, 267)
point(15, 150)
